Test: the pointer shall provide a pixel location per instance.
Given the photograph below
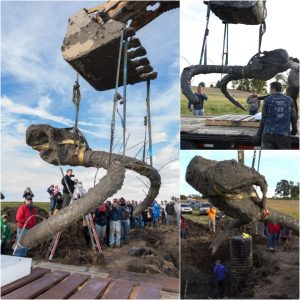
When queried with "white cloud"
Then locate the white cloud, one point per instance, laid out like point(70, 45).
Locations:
point(37, 87)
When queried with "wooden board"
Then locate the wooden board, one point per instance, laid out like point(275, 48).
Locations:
point(233, 121)
point(147, 291)
point(35, 274)
point(92, 289)
point(66, 287)
point(118, 289)
point(37, 287)
point(170, 284)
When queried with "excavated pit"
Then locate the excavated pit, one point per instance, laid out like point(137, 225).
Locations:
point(273, 276)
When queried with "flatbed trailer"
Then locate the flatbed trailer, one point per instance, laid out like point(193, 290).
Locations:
point(230, 134)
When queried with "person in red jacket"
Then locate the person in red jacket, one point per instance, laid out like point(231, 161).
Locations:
point(273, 233)
point(26, 219)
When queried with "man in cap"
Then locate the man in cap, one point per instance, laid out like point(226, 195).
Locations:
point(26, 219)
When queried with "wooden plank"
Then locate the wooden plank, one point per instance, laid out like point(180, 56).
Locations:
point(170, 284)
point(92, 289)
point(233, 123)
point(118, 289)
point(147, 291)
point(66, 287)
point(35, 274)
point(37, 287)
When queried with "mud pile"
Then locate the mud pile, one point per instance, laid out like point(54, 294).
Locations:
point(150, 250)
point(274, 275)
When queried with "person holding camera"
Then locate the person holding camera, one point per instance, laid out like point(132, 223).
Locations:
point(68, 184)
point(115, 224)
point(198, 106)
point(28, 192)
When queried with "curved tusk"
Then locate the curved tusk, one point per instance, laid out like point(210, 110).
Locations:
point(189, 72)
point(224, 90)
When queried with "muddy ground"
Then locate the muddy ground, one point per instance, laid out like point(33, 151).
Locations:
point(158, 249)
point(274, 275)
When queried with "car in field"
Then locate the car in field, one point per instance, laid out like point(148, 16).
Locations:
point(203, 210)
point(195, 204)
point(185, 208)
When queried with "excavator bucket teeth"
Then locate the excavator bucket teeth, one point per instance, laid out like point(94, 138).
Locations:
point(91, 46)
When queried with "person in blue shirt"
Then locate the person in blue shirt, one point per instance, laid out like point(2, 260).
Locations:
point(114, 214)
point(220, 273)
point(278, 113)
point(156, 212)
point(198, 106)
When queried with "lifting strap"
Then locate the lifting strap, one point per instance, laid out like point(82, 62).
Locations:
point(262, 30)
point(145, 139)
point(116, 98)
point(204, 44)
point(76, 100)
point(258, 163)
point(124, 95)
point(149, 120)
point(225, 44)
point(253, 160)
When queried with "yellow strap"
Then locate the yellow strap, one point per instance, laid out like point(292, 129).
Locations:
point(46, 146)
point(81, 150)
point(81, 155)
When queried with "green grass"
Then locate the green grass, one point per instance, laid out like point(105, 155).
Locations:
point(289, 207)
point(217, 104)
point(43, 205)
point(195, 217)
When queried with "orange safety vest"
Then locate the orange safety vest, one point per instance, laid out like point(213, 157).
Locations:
point(212, 213)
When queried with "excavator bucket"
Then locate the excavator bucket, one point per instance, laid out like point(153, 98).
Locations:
point(239, 12)
point(91, 46)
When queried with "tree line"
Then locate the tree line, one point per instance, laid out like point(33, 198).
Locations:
point(248, 85)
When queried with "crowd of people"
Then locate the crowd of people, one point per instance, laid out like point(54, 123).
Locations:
point(112, 219)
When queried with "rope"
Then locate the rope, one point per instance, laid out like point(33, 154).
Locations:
point(205, 34)
point(19, 237)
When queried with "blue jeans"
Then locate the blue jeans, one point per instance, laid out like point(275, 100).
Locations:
point(272, 240)
point(101, 232)
point(115, 233)
point(53, 204)
point(21, 251)
point(125, 229)
point(198, 112)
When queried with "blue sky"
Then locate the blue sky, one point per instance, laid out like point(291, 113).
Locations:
point(274, 165)
point(281, 21)
point(36, 88)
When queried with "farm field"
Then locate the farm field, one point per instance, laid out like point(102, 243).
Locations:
point(217, 104)
point(43, 205)
point(289, 207)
